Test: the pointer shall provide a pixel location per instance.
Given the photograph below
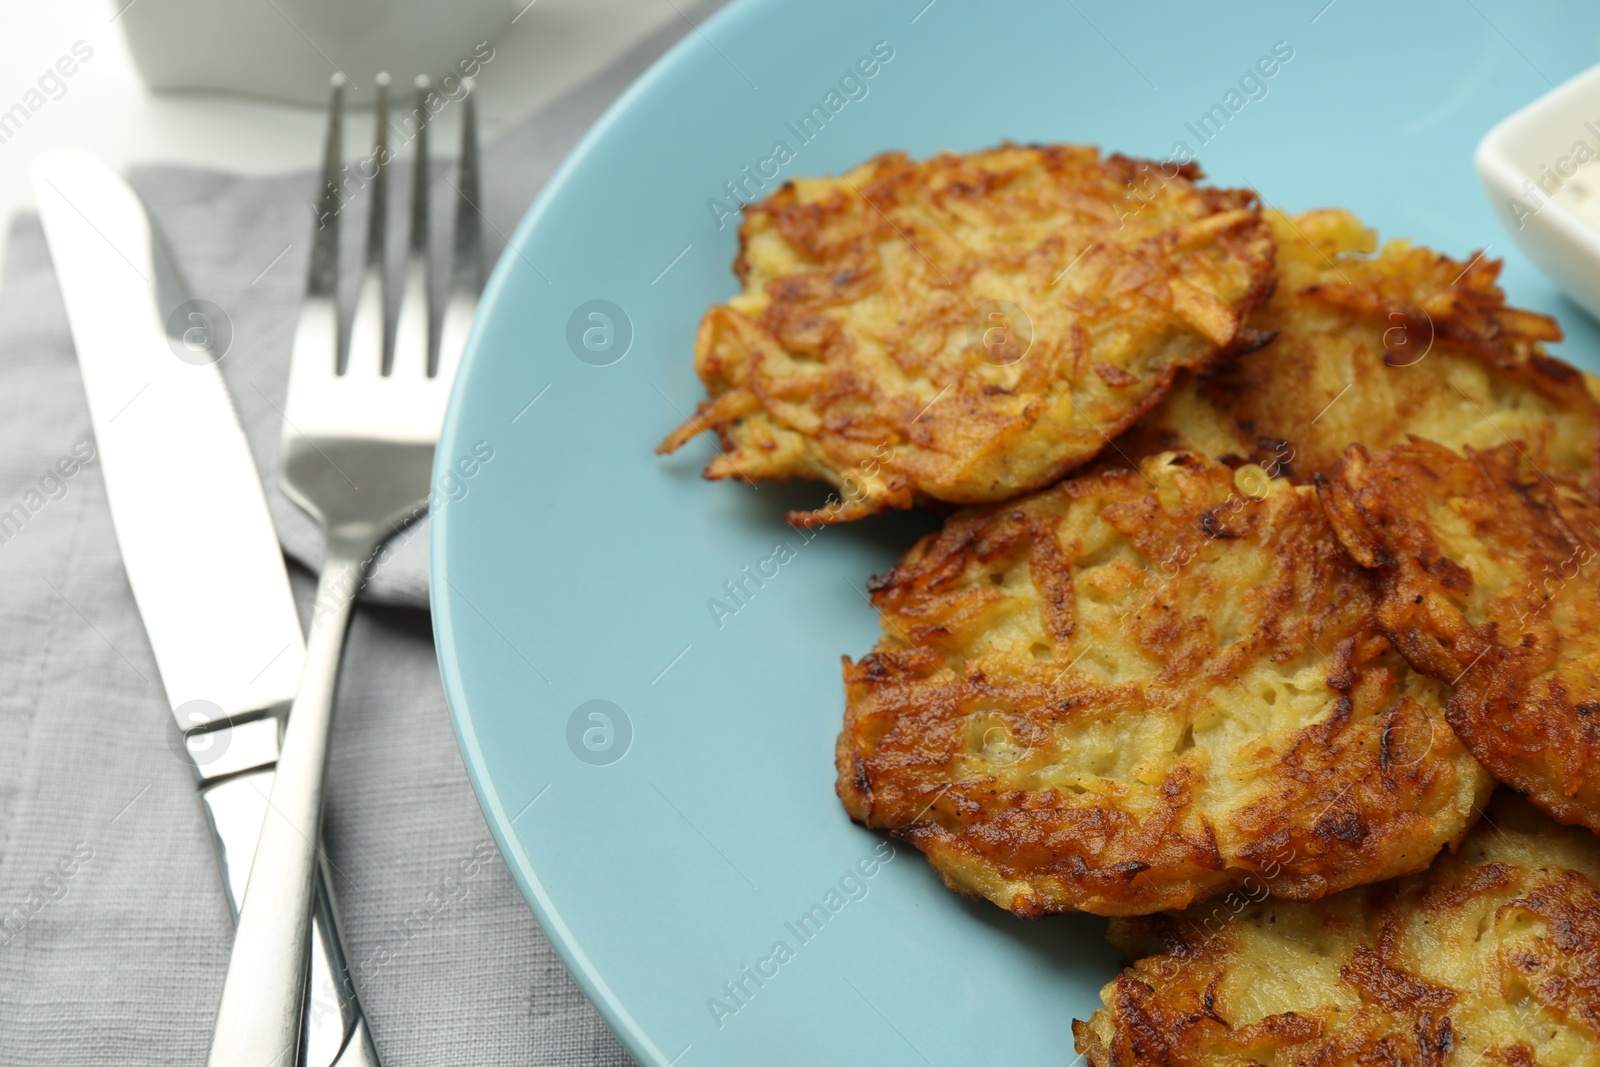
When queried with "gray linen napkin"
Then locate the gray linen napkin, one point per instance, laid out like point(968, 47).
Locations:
point(113, 929)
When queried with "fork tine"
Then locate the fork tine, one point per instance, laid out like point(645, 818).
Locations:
point(466, 272)
point(316, 338)
point(367, 329)
point(323, 277)
point(414, 327)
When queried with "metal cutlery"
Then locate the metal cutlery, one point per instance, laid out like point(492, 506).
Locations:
point(358, 444)
point(203, 561)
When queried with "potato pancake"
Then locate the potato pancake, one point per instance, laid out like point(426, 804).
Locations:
point(968, 327)
point(1491, 577)
point(1491, 957)
point(1356, 346)
point(1137, 689)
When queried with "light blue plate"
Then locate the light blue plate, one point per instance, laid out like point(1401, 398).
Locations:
point(671, 839)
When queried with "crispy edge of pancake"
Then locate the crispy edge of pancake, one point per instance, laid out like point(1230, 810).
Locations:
point(1115, 805)
point(1491, 577)
point(1492, 956)
point(1431, 336)
point(793, 394)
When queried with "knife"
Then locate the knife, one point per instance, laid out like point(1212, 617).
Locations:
point(196, 538)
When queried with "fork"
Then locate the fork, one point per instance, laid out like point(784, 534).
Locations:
point(358, 445)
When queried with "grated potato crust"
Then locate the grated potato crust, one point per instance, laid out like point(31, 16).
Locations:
point(1365, 345)
point(986, 321)
point(1491, 576)
point(1491, 957)
point(1138, 689)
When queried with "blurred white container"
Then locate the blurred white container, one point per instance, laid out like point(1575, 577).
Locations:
point(287, 49)
point(1541, 169)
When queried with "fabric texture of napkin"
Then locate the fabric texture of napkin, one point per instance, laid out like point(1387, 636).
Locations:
point(114, 931)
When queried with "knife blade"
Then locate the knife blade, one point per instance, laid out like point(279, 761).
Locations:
point(196, 538)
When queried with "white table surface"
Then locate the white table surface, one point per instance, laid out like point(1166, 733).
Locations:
point(552, 46)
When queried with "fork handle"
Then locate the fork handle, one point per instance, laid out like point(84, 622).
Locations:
point(258, 1021)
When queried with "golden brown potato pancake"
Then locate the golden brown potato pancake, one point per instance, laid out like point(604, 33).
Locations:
point(967, 327)
point(1135, 690)
point(1491, 958)
point(1491, 574)
point(1367, 346)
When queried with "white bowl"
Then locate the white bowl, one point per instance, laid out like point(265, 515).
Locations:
point(1541, 169)
point(286, 49)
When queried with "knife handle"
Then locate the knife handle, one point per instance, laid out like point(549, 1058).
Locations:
point(333, 1031)
point(333, 1024)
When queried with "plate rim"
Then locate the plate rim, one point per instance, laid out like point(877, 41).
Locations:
point(572, 955)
